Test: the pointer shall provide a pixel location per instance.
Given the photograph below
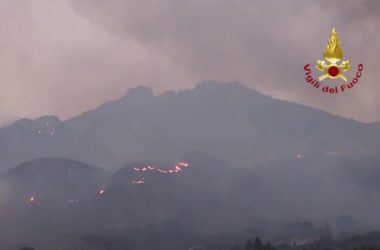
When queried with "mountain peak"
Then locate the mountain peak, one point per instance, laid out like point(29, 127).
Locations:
point(36, 166)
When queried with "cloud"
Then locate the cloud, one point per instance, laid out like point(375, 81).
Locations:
point(55, 61)
point(66, 57)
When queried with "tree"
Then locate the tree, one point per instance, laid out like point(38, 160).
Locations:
point(249, 245)
point(258, 245)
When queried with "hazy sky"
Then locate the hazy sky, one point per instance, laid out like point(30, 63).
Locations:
point(67, 56)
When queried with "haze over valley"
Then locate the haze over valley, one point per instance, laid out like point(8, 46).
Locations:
point(219, 159)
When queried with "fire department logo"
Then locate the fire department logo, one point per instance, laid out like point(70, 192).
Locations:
point(333, 67)
point(333, 54)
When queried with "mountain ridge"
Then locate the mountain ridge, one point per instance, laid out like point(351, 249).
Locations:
point(224, 119)
point(206, 85)
point(146, 91)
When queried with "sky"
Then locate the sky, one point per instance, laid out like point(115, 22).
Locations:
point(67, 56)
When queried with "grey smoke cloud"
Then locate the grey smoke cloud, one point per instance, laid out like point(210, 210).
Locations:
point(64, 57)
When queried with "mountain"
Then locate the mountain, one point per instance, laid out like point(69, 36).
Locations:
point(43, 197)
point(226, 120)
point(52, 173)
point(59, 200)
point(220, 159)
point(49, 198)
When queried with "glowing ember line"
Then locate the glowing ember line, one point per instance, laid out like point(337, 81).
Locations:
point(184, 164)
point(138, 182)
point(178, 167)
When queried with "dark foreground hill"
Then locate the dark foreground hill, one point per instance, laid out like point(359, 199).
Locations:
point(185, 201)
point(226, 120)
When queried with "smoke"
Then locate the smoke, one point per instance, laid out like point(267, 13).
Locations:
point(261, 44)
point(208, 198)
point(67, 57)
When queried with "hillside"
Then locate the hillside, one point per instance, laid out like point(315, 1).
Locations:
point(226, 120)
